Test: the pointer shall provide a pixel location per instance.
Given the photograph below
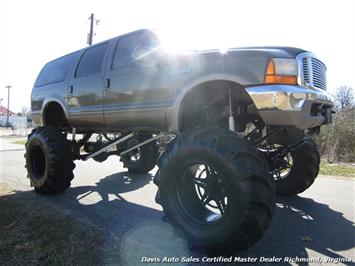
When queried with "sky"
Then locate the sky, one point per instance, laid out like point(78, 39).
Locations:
point(37, 31)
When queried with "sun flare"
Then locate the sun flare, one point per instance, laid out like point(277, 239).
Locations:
point(181, 43)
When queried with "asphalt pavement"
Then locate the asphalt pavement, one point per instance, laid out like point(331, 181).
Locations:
point(316, 227)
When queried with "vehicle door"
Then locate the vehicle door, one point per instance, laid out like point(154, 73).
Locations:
point(85, 96)
point(136, 90)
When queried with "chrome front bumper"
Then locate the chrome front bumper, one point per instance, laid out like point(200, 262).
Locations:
point(286, 105)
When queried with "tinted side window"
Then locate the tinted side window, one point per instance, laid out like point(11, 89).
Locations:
point(56, 70)
point(91, 61)
point(126, 47)
point(123, 52)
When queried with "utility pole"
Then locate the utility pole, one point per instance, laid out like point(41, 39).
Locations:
point(91, 34)
point(8, 104)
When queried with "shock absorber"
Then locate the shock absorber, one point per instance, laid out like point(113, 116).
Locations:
point(231, 117)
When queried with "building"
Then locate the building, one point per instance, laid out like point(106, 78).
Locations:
point(14, 120)
point(3, 111)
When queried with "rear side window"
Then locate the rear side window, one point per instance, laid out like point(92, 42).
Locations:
point(56, 70)
point(123, 52)
point(126, 47)
point(91, 61)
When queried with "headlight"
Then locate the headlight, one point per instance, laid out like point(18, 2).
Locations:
point(281, 71)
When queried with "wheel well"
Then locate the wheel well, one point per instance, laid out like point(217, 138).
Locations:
point(53, 115)
point(209, 101)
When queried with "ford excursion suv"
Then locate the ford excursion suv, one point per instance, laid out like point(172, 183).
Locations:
point(227, 130)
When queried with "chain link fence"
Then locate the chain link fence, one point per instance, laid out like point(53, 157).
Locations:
point(18, 125)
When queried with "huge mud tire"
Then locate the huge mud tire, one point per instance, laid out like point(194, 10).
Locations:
point(142, 159)
point(49, 160)
point(237, 204)
point(303, 171)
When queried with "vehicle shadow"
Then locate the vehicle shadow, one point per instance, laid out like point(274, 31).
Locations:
point(133, 232)
point(302, 226)
point(114, 184)
point(103, 201)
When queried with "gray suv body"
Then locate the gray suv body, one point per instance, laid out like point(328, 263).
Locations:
point(227, 129)
point(130, 83)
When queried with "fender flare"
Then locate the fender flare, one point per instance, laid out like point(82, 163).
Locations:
point(173, 113)
point(48, 101)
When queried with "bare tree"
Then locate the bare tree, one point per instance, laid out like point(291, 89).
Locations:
point(344, 97)
point(24, 110)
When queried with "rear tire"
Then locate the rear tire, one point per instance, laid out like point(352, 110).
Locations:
point(49, 160)
point(142, 159)
point(215, 188)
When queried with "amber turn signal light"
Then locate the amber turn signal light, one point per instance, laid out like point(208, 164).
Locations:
point(272, 77)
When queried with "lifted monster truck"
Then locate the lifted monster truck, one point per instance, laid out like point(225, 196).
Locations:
point(231, 126)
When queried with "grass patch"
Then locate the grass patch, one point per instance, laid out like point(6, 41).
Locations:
point(21, 142)
point(337, 169)
point(35, 233)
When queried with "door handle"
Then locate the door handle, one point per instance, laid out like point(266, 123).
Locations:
point(107, 83)
point(71, 89)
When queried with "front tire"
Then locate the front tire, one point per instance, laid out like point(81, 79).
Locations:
point(49, 160)
point(297, 171)
point(216, 189)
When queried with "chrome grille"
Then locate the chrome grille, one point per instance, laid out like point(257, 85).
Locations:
point(305, 70)
point(313, 72)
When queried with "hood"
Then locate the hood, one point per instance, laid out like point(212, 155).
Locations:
point(253, 52)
